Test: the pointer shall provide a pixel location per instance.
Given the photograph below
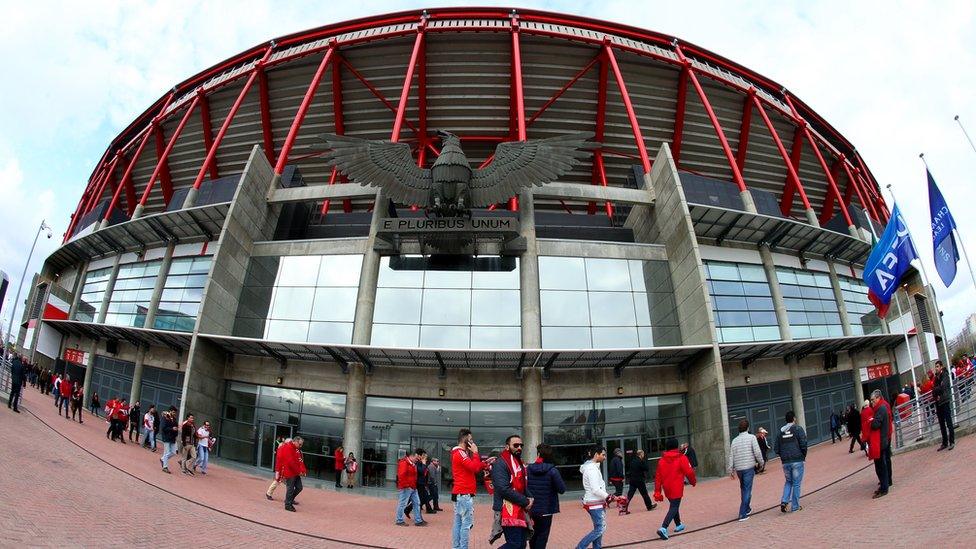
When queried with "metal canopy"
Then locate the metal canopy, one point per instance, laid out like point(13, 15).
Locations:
point(178, 341)
point(189, 225)
point(723, 224)
point(749, 352)
point(443, 359)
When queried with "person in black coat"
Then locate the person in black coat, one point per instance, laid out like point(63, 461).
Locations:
point(853, 420)
point(637, 471)
point(16, 383)
point(545, 484)
point(615, 472)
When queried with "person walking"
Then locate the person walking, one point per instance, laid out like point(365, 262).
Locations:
point(188, 443)
point(791, 447)
point(879, 441)
point(338, 464)
point(615, 472)
point(637, 471)
point(65, 389)
point(669, 481)
point(545, 483)
point(168, 433)
point(95, 404)
point(407, 488)
point(135, 420)
point(433, 483)
point(421, 486)
point(745, 457)
point(465, 466)
point(512, 498)
point(56, 383)
point(351, 467)
point(278, 452)
point(942, 393)
point(203, 448)
point(762, 437)
point(835, 427)
point(595, 497)
point(77, 408)
point(149, 429)
point(853, 421)
point(292, 470)
point(16, 383)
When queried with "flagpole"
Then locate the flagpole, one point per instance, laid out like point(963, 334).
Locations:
point(963, 128)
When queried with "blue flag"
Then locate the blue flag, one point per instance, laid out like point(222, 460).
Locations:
point(943, 239)
point(890, 258)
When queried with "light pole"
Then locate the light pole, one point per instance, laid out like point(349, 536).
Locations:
point(20, 286)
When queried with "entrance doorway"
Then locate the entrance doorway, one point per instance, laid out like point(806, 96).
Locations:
point(439, 448)
point(629, 445)
point(270, 433)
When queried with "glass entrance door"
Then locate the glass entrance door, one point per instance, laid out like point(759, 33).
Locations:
point(271, 435)
point(439, 448)
point(629, 445)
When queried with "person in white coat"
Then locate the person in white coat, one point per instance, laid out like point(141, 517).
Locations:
point(595, 498)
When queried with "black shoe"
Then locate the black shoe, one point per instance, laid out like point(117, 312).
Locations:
point(269, 497)
point(782, 507)
point(421, 523)
point(879, 494)
point(953, 445)
point(290, 508)
point(850, 451)
point(943, 447)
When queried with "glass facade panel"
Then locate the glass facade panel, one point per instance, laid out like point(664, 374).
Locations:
point(811, 306)
point(742, 302)
point(606, 303)
point(92, 293)
point(132, 294)
point(186, 279)
point(861, 313)
point(434, 303)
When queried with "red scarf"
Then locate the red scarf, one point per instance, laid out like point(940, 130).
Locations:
point(512, 514)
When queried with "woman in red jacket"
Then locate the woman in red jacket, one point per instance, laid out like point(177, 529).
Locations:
point(866, 414)
point(339, 465)
point(672, 470)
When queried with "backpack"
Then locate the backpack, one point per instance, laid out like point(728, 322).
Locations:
point(352, 467)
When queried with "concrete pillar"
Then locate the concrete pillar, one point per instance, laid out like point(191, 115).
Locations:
point(191, 198)
point(779, 305)
point(531, 411)
point(797, 392)
point(854, 232)
point(812, 217)
point(858, 388)
point(137, 213)
point(747, 202)
point(86, 386)
point(158, 287)
point(845, 322)
point(136, 391)
point(79, 286)
point(708, 411)
point(352, 431)
point(529, 278)
point(103, 310)
point(362, 328)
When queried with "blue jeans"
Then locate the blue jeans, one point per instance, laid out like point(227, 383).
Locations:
point(203, 456)
point(463, 521)
point(595, 537)
point(746, 477)
point(149, 439)
point(169, 450)
point(794, 476)
point(405, 496)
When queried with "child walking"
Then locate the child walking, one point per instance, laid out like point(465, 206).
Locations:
point(672, 470)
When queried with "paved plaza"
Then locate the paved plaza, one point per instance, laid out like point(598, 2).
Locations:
point(66, 485)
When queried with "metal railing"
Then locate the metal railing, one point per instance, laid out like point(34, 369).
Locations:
point(4, 376)
point(916, 420)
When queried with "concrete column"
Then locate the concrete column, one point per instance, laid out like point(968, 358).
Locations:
point(86, 386)
point(779, 305)
point(747, 202)
point(531, 411)
point(137, 213)
point(797, 392)
point(158, 287)
point(845, 322)
point(79, 286)
point(136, 391)
point(103, 310)
point(858, 388)
point(854, 232)
point(362, 328)
point(812, 217)
point(191, 198)
point(529, 278)
point(352, 432)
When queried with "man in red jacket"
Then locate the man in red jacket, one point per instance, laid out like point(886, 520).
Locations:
point(339, 465)
point(291, 467)
point(672, 470)
point(465, 465)
point(879, 441)
point(65, 390)
point(407, 488)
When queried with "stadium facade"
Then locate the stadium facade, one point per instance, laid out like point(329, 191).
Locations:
point(701, 265)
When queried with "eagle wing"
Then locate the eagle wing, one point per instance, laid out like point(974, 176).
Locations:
point(383, 164)
point(520, 164)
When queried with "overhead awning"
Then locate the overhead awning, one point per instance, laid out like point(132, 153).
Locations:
point(178, 341)
point(189, 225)
point(444, 359)
point(752, 351)
point(726, 225)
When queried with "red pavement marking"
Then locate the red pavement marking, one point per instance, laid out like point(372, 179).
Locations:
point(108, 504)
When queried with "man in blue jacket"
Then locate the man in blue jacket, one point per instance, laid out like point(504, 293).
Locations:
point(791, 446)
point(545, 485)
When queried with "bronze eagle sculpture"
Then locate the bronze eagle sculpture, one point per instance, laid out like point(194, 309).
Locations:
point(449, 188)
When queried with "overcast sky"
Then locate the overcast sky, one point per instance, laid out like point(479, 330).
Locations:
point(889, 76)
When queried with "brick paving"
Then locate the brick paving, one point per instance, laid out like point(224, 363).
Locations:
point(67, 485)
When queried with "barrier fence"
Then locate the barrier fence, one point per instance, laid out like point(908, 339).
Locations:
point(916, 420)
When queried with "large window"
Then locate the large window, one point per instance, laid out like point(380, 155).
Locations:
point(810, 303)
point(861, 313)
point(742, 303)
point(395, 426)
point(180, 301)
point(471, 303)
point(633, 423)
point(132, 293)
point(606, 303)
point(92, 293)
point(255, 415)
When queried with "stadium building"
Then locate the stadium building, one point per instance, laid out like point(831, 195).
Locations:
point(701, 265)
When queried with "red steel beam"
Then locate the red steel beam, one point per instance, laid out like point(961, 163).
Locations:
point(207, 124)
point(340, 129)
point(401, 112)
point(165, 177)
point(372, 89)
point(563, 89)
point(679, 115)
point(518, 99)
point(823, 164)
point(792, 177)
point(296, 124)
point(736, 173)
point(108, 181)
point(161, 164)
point(744, 128)
point(264, 97)
point(828, 206)
point(853, 182)
point(796, 152)
point(599, 174)
point(873, 187)
point(634, 125)
point(93, 183)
